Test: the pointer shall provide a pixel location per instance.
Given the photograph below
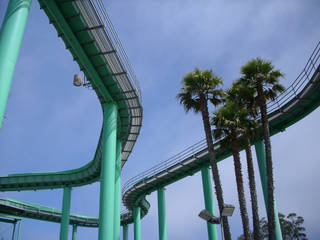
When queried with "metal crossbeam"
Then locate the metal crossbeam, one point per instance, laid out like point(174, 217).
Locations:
point(114, 74)
point(7, 220)
point(102, 53)
point(87, 43)
point(88, 29)
point(72, 17)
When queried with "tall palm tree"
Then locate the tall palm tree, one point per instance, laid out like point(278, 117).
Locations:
point(260, 75)
point(228, 121)
point(199, 87)
point(244, 97)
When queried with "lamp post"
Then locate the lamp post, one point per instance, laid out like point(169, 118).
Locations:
point(227, 211)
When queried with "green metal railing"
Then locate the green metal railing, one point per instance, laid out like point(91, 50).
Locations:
point(23, 209)
point(110, 48)
point(191, 154)
point(104, 60)
point(298, 84)
point(295, 94)
point(94, 44)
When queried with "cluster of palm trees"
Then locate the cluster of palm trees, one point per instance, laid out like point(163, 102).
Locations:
point(235, 123)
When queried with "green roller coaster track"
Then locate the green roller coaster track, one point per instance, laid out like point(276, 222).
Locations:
point(88, 34)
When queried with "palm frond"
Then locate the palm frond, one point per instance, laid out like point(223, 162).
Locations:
point(197, 83)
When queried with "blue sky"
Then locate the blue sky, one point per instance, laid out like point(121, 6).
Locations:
point(51, 125)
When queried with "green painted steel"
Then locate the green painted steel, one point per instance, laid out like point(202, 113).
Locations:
point(261, 157)
point(34, 211)
point(74, 232)
point(58, 13)
point(292, 108)
point(65, 216)
point(162, 214)
point(19, 227)
point(108, 164)
point(125, 232)
point(14, 229)
point(7, 220)
point(11, 34)
point(137, 222)
point(74, 42)
point(9, 215)
point(117, 192)
point(208, 201)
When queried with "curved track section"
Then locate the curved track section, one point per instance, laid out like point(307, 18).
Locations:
point(39, 212)
point(299, 99)
point(87, 32)
point(34, 211)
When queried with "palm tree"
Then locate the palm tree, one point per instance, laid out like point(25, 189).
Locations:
point(199, 87)
point(260, 75)
point(228, 121)
point(244, 97)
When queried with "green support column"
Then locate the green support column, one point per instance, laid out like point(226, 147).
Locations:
point(162, 214)
point(11, 34)
point(261, 156)
point(107, 186)
point(208, 200)
point(14, 229)
point(137, 223)
point(19, 226)
point(65, 215)
point(117, 192)
point(74, 232)
point(125, 232)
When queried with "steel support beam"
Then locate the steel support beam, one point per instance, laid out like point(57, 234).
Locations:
point(7, 220)
point(125, 232)
point(11, 34)
point(162, 214)
point(208, 201)
point(14, 229)
point(19, 227)
point(117, 192)
point(65, 214)
point(74, 232)
point(137, 222)
point(261, 156)
point(108, 164)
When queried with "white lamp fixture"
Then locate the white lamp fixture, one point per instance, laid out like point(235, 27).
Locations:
point(77, 80)
point(227, 211)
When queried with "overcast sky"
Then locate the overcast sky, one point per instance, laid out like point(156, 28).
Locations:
point(50, 125)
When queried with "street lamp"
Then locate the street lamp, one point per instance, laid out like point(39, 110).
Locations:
point(209, 217)
point(227, 211)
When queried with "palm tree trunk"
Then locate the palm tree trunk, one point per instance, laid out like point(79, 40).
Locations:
point(213, 163)
point(253, 191)
point(241, 196)
point(265, 124)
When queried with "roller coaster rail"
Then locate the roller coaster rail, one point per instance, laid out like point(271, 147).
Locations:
point(112, 50)
point(118, 45)
point(278, 103)
point(189, 155)
point(89, 35)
